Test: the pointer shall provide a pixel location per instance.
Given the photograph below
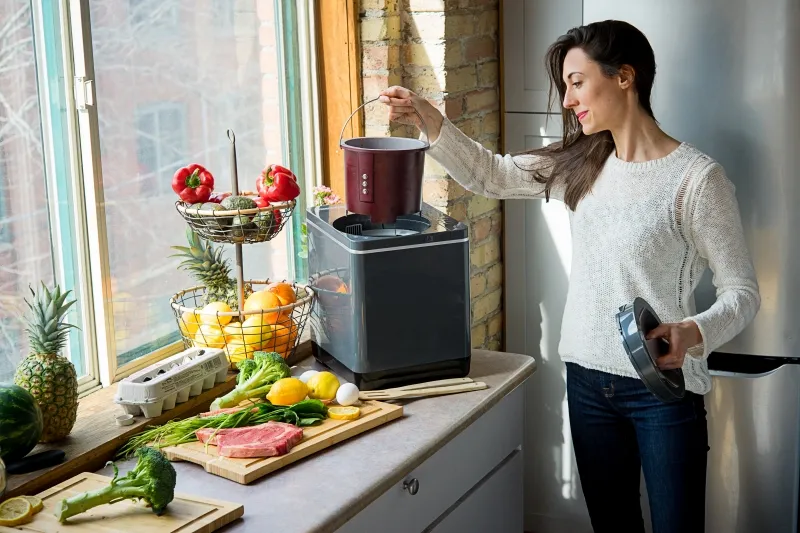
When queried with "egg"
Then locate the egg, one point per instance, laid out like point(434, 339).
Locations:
point(347, 394)
point(304, 377)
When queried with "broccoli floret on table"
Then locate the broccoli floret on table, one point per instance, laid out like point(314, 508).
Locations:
point(152, 480)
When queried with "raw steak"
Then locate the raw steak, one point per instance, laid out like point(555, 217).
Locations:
point(264, 440)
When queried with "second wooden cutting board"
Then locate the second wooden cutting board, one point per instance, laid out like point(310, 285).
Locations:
point(315, 438)
point(185, 514)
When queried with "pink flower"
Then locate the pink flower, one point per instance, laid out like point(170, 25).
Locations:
point(325, 196)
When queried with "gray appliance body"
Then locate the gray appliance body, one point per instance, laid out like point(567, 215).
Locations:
point(391, 309)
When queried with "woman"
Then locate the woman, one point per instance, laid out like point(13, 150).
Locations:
point(648, 214)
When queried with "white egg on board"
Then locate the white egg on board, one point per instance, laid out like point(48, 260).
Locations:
point(347, 394)
point(305, 376)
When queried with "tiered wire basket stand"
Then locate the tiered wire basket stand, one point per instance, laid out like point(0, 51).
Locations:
point(241, 333)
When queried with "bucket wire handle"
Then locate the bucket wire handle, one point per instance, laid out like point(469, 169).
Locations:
point(422, 121)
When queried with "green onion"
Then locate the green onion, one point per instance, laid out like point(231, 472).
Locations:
point(177, 432)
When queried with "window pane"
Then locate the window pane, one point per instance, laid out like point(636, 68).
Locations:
point(27, 254)
point(171, 77)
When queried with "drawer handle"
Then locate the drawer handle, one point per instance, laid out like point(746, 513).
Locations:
point(412, 486)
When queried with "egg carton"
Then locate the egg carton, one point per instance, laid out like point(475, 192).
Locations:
point(158, 387)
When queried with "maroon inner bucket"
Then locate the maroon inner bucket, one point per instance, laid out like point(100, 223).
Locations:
point(383, 176)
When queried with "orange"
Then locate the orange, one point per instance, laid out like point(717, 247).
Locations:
point(331, 283)
point(284, 292)
point(261, 301)
point(284, 337)
point(264, 301)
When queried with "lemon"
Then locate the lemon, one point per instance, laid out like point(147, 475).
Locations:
point(236, 351)
point(15, 511)
point(209, 336)
point(189, 324)
point(257, 325)
point(209, 314)
point(322, 386)
point(287, 391)
point(340, 412)
point(241, 333)
point(36, 503)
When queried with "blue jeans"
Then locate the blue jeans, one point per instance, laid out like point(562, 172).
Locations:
point(619, 428)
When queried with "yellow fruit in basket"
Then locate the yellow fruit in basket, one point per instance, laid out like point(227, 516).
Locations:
point(287, 391)
point(242, 333)
point(15, 511)
point(284, 291)
point(257, 324)
point(340, 412)
point(209, 336)
point(323, 386)
point(209, 314)
point(189, 324)
point(238, 352)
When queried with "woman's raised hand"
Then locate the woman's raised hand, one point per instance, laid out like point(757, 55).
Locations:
point(402, 104)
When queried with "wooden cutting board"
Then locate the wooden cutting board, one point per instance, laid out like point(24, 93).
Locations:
point(315, 438)
point(185, 514)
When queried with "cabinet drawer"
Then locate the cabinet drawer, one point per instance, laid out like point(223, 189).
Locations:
point(494, 505)
point(448, 474)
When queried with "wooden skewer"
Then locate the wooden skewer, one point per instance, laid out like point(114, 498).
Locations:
point(429, 384)
point(431, 391)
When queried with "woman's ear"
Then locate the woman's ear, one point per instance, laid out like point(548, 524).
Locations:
point(626, 76)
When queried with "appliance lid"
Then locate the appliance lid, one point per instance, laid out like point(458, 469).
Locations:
point(635, 320)
point(359, 234)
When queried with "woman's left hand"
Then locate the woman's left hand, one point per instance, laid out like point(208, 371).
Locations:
point(680, 336)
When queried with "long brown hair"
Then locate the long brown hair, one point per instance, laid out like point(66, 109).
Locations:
point(576, 161)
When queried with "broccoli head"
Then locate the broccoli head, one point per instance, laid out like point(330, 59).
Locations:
point(152, 480)
point(255, 379)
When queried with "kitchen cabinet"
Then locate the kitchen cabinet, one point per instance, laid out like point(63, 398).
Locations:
point(476, 478)
point(462, 453)
point(529, 27)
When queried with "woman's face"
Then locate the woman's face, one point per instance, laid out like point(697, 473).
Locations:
point(598, 101)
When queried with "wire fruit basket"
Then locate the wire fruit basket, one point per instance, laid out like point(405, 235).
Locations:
point(255, 327)
point(238, 226)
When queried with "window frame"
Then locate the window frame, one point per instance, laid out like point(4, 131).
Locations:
point(297, 62)
point(62, 170)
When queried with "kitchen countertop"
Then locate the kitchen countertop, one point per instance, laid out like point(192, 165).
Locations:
point(322, 492)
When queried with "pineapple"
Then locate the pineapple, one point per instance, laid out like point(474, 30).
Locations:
point(207, 266)
point(44, 373)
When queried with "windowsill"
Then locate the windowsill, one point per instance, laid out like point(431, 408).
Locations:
point(95, 438)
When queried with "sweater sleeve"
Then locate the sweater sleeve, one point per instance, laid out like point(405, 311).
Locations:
point(716, 228)
point(478, 170)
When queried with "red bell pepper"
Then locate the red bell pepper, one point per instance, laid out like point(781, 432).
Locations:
point(193, 183)
point(277, 184)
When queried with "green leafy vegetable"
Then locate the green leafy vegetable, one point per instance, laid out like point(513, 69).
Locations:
point(255, 379)
point(153, 480)
point(303, 413)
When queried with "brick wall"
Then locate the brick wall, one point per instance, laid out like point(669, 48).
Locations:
point(446, 51)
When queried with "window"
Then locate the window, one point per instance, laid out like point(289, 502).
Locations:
point(5, 191)
point(160, 146)
point(36, 233)
point(147, 15)
point(94, 172)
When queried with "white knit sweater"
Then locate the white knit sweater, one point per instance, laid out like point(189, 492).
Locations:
point(646, 229)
